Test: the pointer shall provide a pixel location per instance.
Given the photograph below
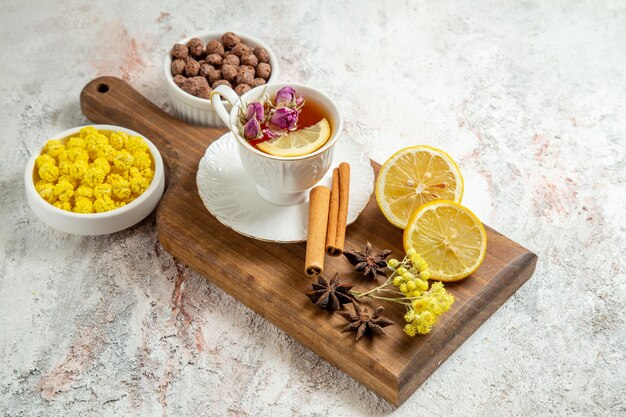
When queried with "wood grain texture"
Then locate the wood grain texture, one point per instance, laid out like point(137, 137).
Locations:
point(268, 278)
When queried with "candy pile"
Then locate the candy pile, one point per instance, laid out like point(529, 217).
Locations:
point(198, 69)
point(94, 171)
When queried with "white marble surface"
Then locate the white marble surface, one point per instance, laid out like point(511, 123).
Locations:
point(528, 96)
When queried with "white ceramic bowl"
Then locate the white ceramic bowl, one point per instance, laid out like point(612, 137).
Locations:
point(196, 110)
point(96, 223)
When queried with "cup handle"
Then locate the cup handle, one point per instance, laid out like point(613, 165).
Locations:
point(216, 100)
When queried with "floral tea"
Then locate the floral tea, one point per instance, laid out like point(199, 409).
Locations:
point(287, 125)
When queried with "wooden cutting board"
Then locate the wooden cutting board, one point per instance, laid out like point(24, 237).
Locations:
point(268, 277)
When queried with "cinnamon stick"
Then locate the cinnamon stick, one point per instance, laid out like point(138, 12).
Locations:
point(333, 214)
point(319, 199)
point(336, 248)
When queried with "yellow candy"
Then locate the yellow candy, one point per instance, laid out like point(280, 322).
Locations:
point(87, 130)
point(138, 185)
point(54, 147)
point(142, 160)
point(103, 191)
point(103, 165)
point(121, 189)
point(123, 160)
point(47, 193)
point(48, 172)
point(117, 140)
point(135, 144)
point(83, 205)
point(93, 176)
point(78, 169)
point(67, 178)
point(40, 184)
point(75, 142)
point(44, 159)
point(147, 173)
point(64, 191)
point(64, 167)
point(103, 204)
point(84, 191)
point(106, 152)
point(120, 171)
point(63, 205)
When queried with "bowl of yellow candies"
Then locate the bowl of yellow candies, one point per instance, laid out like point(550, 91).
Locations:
point(94, 180)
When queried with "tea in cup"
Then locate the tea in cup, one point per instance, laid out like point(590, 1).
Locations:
point(286, 135)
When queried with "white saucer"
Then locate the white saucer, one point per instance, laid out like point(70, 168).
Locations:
point(229, 194)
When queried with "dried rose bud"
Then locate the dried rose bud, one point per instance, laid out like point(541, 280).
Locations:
point(231, 59)
point(242, 89)
point(214, 59)
point(255, 110)
point(179, 80)
point(196, 47)
point(285, 95)
point(221, 82)
point(261, 54)
point(252, 129)
point(250, 59)
point(241, 49)
point(285, 118)
point(178, 66)
point(229, 72)
point(180, 51)
point(214, 75)
point(257, 82)
point(205, 69)
point(215, 47)
point(230, 39)
point(192, 68)
point(263, 70)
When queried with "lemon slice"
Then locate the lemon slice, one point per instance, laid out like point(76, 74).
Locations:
point(299, 142)
point(449, 237)
point(413, 177)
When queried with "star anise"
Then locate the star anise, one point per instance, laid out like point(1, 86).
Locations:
point(371, 265)
point(361, 321)
point(330, 295)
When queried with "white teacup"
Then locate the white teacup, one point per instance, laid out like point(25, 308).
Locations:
point(280, 180)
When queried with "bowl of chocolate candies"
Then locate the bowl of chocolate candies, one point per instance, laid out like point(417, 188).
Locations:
point(198, 64)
